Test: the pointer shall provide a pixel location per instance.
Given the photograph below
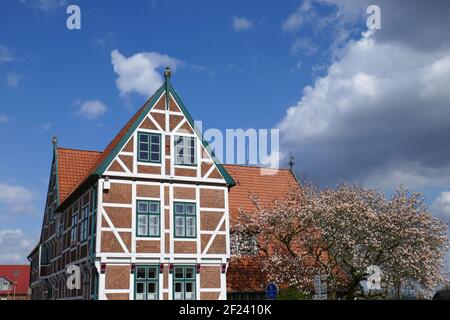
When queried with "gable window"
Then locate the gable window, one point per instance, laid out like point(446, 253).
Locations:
point(185, 220)
point(74, 227)
point(148, 218)
point(4, 284)
point(146, 282)
point(84, 223)
point(184, 283)
point(185, 151)
point(149, 147)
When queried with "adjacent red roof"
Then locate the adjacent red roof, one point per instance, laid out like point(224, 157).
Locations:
point(19, 274)
point(72, 167)
point(267, 184)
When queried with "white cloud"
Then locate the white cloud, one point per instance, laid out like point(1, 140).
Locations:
point(5, 55)
point(241, 24)
point(17, 199)
point(15, 246)
point(298, 18)
point(305, 46)
point(441, 205)
point(47, 6)
point(13, 79)
point(376, 117)
point(3, 118)
point(139, 73)
point(91, 109)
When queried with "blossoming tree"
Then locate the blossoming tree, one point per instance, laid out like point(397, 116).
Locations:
point(342, 232)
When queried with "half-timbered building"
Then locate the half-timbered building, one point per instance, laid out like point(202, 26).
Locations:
point(145, 219)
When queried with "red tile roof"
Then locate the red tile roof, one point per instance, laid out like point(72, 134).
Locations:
point(245, 275)
point(72, 167)
point(19, 274)
point(267, 184)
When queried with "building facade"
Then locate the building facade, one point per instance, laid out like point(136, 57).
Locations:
point(145, 219)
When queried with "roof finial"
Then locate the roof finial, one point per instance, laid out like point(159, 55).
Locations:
point(55, 141)
point(167, 73)
point(291, 161)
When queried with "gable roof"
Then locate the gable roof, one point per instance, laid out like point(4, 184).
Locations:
point(95, 163)
point(72, 167)
point(19, 274)
point(250, 181)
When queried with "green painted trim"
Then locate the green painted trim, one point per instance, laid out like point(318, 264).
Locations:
point(149, 134)
point(93, 220)
point(229, 180)
point(146, 267)
point(184, 215)
point(148, 214)
point(184, 280)
point(107, 161)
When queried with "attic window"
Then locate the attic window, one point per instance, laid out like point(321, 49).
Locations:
point(4, 284)
point(185, 151)
point(16, 273)
point(149, 147)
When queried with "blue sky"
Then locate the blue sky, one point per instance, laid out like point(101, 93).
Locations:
point(238, 65)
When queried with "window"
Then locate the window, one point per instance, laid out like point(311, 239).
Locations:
point(148, 217)
point(74, 227)
point(184, 283)
point(84, 223)
point(185, 220)
point(45, 255)
point(185, 151)
point(149, 147)
point(61, 225)
point(146, 282)
point(4, 284)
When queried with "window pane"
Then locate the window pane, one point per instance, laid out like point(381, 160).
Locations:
point(190, 208)
point(179, 227)
point(143, 137)
point(142, 225)
point(190, 273)
point(179, 208)
point(155, 138)
point(190, 231)
point(154, 207)
point(151, 291)
point(143, 147)
point(140, 273)
point(143, 156)
point(179, 274)
point(154, 225)
point(155, 147)
point(142, 207)
point(179, 140)
point(140, 292)
point(190, 226)
point(152, 273)
point(155, 157)
point(190, 294)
